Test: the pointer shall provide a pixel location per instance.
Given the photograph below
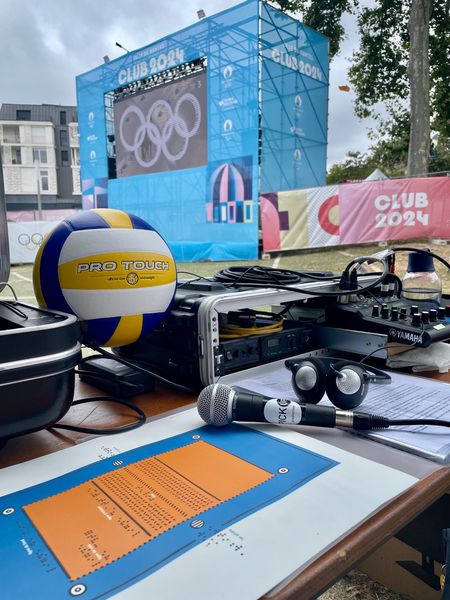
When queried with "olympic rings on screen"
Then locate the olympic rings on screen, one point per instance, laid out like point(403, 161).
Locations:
point(160, 137)
point(30, 242)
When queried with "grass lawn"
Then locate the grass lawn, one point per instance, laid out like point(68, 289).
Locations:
point(324, 259)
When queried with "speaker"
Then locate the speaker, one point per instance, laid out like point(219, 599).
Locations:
point(345, 382)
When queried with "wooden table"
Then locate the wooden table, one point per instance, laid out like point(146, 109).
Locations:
point(434, 480)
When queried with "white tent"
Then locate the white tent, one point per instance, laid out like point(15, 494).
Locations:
point(376, 175)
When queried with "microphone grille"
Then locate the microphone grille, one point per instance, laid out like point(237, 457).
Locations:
point(212, 404)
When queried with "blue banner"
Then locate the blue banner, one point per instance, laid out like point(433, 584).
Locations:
point(294, 103)
point(154, 162)
point(188, 131)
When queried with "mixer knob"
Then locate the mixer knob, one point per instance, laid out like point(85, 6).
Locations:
point(376, 310)
point(441, 313)
point(425, 317)
point(433, 315)
point(416, 321)
point(447, 310)
point(394, 313)
point(414, 309)
point(384, 312)
point(403, 312)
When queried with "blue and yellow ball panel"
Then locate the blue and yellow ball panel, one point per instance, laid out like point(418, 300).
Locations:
point(109, 268)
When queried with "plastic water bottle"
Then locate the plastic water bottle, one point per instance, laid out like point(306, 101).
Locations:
point(421, 283)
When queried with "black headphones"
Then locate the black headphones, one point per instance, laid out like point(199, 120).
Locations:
point(345, 382)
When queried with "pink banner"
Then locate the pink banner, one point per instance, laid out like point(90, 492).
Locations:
point(393, 209)
point(20, 216)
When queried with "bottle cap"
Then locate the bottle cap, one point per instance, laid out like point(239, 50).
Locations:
point(419, 262)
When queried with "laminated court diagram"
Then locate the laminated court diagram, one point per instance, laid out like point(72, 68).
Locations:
point(100, 529)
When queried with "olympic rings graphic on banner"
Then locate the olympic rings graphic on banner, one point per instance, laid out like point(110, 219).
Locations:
point(30, 242)
point(160, 138)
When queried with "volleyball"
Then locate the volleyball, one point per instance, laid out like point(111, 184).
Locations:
point(112, 270)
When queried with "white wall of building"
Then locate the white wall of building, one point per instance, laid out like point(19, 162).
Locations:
point(23, 144)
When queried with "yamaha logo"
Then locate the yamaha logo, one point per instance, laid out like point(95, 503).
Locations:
point(407, 336)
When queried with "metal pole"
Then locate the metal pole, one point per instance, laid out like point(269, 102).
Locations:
point(37, 164)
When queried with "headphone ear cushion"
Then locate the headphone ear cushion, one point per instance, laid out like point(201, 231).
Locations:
point(346, 385)
point(308, 380)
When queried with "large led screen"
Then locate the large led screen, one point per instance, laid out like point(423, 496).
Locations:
point(163, 128)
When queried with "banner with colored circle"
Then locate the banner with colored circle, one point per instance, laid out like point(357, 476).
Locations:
point(354, 213)
point(300, 219)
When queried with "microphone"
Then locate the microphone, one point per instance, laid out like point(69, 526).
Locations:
point(220, 404)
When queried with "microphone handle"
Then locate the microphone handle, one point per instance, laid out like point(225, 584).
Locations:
point(254, 407)
point(320, 416)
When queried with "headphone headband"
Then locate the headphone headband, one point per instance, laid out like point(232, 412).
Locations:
point(330, 361)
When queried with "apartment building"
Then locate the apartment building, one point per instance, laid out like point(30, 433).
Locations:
point(40, 156)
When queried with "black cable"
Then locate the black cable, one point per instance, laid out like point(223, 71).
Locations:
point(359, 260)
point(134, 425)
point(257, 280)
point(197, 277)
point(368, 422)
point(387, 346)
point(419, 422)
point(256, 274)
point(423, 251)
point(137, 367)
point(13, 308)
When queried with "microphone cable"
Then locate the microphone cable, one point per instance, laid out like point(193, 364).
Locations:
point(368, 422)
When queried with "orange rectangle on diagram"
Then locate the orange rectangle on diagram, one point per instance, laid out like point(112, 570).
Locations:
point(89, 526)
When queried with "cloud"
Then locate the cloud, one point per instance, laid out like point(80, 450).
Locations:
point(46, 44)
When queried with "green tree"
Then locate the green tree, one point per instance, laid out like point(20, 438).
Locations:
point(402, 62)
point(324, 16)
point(355, 167)
point(389, 153)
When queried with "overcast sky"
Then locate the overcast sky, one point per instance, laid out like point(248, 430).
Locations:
point(46, 43)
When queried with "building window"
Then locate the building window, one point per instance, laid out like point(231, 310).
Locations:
point(44, 180)
point(40, 155)
point(65, 158)
point(23, 115)
point(11, 134)
point(75, 152)
point(62, 117)
point(38, 135)
point(16, 155)
point(63, 138)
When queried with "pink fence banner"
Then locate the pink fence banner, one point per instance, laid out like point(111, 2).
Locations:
point(393, 209)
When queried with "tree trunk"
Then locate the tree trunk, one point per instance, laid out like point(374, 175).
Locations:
point(419, 80)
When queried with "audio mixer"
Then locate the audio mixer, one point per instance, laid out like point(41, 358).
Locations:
point(400, 320)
